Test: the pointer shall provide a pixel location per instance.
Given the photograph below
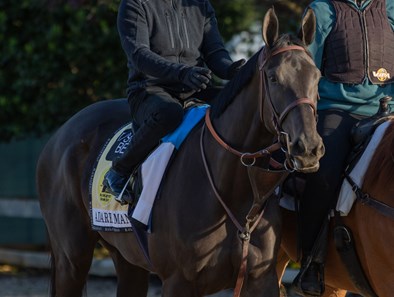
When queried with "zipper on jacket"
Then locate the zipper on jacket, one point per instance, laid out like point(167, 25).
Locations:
point(168, 20)
point(365, 41)
point(178, 29)
point(185, 29)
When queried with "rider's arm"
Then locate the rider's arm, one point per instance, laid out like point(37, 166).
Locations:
point(134, 35)
point(215, 54)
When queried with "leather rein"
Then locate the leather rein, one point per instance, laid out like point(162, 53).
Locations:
point(256, 212)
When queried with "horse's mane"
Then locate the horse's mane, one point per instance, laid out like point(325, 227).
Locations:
point(234, 86)
point(238, 82)
point(381, 167)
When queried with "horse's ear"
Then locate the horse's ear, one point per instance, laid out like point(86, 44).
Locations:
point(270, 27)
point(308, 27)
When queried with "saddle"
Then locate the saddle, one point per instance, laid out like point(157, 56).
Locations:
point(361, 135)
point(363, 130)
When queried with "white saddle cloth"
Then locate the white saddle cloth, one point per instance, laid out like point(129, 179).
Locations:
point(347, 196)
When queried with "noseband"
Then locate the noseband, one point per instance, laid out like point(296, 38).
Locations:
point(277, 118)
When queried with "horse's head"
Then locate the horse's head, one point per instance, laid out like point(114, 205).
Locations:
point(290, 82)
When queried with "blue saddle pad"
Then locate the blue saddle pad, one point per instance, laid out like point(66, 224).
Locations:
point(190, 119)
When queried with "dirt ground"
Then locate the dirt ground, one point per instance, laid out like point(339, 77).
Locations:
point(35, 283)
point(32, 283)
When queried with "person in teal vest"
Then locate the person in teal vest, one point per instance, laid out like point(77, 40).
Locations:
point(354, 49)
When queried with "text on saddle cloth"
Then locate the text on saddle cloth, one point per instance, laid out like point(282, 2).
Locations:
point(106, 213)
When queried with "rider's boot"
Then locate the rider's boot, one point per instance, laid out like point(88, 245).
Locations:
point(141, 144)
point(119, 185)
point(310, 279)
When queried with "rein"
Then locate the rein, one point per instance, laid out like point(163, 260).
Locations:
point(243, 155)
point(257, 210)
point(366, 199)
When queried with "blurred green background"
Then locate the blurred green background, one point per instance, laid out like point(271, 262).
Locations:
point(57, 57)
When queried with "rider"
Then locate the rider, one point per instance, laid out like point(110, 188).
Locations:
point(354, 49)
point(167, 44)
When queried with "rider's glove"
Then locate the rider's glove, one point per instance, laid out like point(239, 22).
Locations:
point(196, 78)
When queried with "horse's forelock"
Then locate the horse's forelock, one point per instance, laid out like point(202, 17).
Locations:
point(286, 40)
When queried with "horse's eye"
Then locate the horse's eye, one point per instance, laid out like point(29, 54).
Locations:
point(272, 78)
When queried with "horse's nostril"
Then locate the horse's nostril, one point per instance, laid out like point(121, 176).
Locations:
point(299, 147)
point(319, 150)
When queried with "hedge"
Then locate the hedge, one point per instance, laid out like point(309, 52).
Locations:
point(56, 57)
point(54, 62)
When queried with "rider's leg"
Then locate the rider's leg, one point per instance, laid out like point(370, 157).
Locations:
point(320, 191)
point(157, 114)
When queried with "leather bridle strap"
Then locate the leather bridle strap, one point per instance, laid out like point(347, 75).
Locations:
point(287, 48)
point(244, 232)
point(261, 153)
point(294, 104)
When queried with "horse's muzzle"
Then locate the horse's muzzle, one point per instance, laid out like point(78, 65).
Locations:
point(306, 168)
point(306, 160)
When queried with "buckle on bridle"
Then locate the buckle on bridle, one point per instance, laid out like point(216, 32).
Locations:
point(284, 140)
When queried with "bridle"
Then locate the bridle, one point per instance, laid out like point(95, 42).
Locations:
point(277, 117)
point(256, 212)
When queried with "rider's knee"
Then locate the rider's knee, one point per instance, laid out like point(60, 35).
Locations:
point(170, 115)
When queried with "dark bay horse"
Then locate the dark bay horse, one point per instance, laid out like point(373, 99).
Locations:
point(195, 247)
point(372, 230)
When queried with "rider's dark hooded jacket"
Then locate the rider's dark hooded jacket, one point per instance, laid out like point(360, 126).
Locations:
point(163, 37)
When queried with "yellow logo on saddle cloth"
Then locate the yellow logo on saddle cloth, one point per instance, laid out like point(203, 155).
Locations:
point(381, 74)
point(106, 213)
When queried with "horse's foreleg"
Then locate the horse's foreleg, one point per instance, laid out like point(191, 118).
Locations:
point(265, 285)
point(177, 286)
point(132, 279)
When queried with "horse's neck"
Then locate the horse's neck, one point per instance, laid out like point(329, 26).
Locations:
point(240, 124)
point(241, 128)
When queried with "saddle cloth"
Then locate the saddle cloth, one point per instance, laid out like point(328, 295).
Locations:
point(347, 196)
point(106, 213)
